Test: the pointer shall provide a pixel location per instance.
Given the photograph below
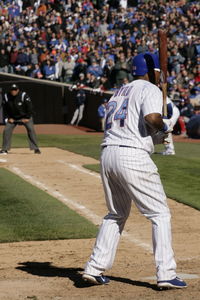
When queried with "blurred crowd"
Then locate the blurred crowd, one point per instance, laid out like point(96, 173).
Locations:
point(91, 43)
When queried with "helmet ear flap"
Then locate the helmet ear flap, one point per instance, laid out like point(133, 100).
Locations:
point(161, 77)
point(149, 62)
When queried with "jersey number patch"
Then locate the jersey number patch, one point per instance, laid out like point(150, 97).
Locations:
point(120, 114)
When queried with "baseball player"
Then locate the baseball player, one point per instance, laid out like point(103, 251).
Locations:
point(17, 107)
point(101, 113)
point(133, 121)
point(80, 105)
point(173, 115)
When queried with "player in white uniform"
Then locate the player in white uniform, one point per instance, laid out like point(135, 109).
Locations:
point(134, 116)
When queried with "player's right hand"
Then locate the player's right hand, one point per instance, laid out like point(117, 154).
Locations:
point(168, 125)
point(10, 120)
point(166, 140)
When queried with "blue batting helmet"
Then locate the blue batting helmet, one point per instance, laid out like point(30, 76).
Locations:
point(144, 62)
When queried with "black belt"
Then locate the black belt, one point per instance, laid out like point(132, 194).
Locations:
point(118, 146)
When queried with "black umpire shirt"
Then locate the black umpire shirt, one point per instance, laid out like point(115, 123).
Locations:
point(17, 107)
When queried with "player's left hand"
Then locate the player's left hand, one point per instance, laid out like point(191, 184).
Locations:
point(159, 137)
point(10, 120)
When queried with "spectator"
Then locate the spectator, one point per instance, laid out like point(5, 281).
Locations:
point(95, 69)
point(103, 28)
point(22, 59)
point(42, 8)
point(29, 70)
point(19, 71)
point(186, 112)
point(189, 48)
point(58, 68)
point(68, 69)
point(81, 82)
point(174, 92)
point(109, 71)
point(125, 81)
point(197, 74)
point(80, 67)
point(122, 69)
point(49, 70)
point(37, 73)
point(4, 61)
point(34, 56)
point(175, 61)
point(183, 77)
point(44, 54)
point(104, 84)
point(141, 46)
point(92, 81)
point(193, 127)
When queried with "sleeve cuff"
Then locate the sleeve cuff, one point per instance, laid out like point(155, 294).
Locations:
point(165, 128)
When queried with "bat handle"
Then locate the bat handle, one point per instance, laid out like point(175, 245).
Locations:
point(164, 92)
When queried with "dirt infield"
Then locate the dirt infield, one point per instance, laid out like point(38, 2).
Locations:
point(51, 270)
point(54, 129)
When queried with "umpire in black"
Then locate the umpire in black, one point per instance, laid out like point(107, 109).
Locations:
point(17, 108)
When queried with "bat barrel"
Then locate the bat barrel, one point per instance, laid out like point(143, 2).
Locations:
point(162, 38)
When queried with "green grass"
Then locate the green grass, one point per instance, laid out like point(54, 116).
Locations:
point(81, 144)
point(30, 214)
point(27, 213)
point(179, 174)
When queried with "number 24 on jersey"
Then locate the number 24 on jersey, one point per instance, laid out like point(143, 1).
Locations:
point(114, 114)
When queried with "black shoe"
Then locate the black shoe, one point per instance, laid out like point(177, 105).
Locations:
point(98, 280)
point(37, 151)
point(176, 283)
point(3, 152)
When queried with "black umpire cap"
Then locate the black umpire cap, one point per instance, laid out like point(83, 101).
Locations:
point(14, 87)
point(105, 100)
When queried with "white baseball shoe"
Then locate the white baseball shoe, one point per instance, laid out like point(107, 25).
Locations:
point(167, 152)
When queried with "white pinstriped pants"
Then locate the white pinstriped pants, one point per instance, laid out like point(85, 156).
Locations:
point(129, 174)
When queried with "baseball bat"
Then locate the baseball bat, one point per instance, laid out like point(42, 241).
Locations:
point(162, 38)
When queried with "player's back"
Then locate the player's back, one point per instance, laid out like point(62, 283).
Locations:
point(125, 124)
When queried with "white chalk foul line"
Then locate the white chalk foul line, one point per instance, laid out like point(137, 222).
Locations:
point(128, 236)
point(72, 204)
point(75, 205)
point(181, 275)
point(80, 169)
point(3, 160)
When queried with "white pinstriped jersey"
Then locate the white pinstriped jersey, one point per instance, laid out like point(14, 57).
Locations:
point(125, 124)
